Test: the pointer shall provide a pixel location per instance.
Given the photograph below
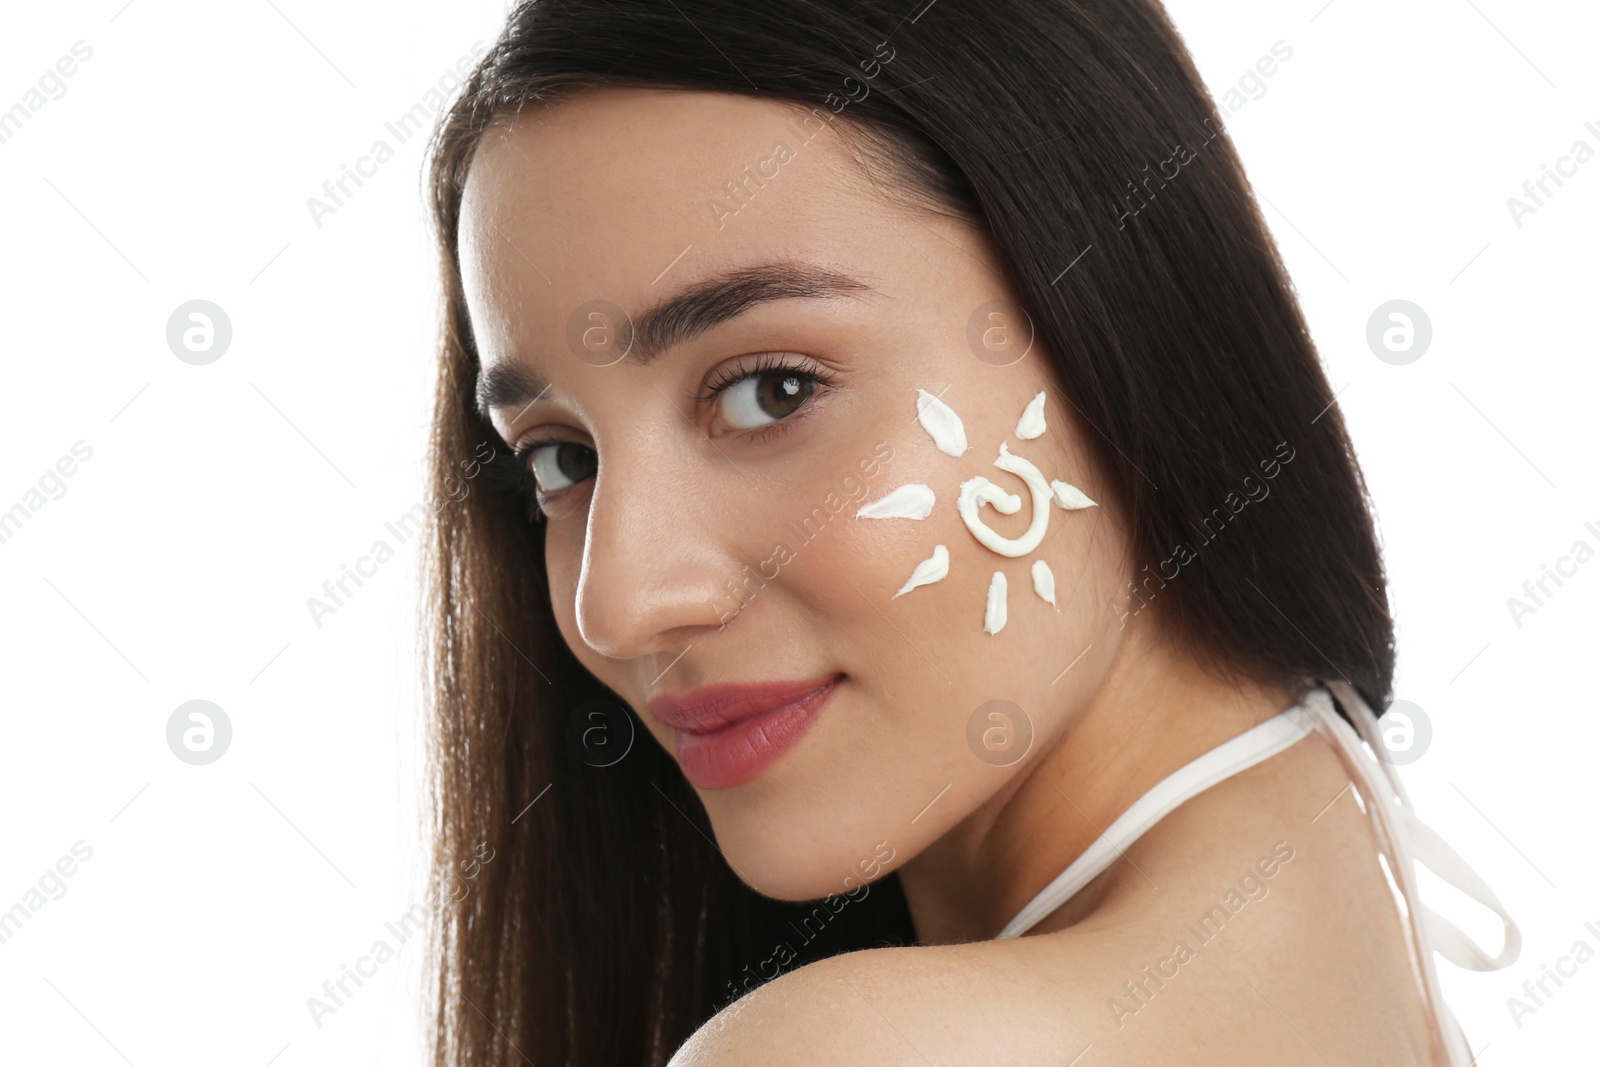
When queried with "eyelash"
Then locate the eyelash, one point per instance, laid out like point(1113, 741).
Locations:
point(724, 378)
point(766, 363)
point(770, 363)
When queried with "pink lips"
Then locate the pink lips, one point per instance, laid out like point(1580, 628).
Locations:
point(726, 735)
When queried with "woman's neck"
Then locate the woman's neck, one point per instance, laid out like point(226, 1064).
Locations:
point(1154, 711)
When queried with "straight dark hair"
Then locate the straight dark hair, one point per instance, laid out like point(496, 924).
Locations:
point(607, 927)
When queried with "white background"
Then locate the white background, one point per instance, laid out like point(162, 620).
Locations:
point(219, 498)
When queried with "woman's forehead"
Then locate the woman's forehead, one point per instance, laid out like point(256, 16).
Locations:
point(641, 173)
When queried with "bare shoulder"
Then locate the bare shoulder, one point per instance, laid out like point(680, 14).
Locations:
point(1251, 924)
point(972, 1003)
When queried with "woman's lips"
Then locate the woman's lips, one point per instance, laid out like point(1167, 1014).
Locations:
point(727, 735)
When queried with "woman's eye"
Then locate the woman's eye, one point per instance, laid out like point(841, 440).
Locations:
point(749, 400)
point(560, 465)
point(762, 399)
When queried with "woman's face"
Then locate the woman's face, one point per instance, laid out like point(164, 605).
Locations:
point(701, 470)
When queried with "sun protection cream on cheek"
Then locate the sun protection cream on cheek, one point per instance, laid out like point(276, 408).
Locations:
point(994, 609)
point(1031, 424)
point(916, 501)
point(942, 424)
point(930, 570)
point(1044, 583)
point(912, 501)
point(1070, 497)
point(974, 491)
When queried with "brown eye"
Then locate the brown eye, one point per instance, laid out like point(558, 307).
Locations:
point(560, 465)
point(761, 399)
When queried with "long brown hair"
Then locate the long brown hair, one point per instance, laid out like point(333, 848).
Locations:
point(607, 927)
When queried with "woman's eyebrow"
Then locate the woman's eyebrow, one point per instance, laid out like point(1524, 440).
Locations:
point(680, 318)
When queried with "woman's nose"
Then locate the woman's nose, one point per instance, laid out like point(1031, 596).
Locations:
point(661, 555)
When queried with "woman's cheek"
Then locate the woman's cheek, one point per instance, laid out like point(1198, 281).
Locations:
point(929, 572)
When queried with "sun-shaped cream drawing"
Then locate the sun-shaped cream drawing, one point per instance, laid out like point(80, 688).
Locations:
point(916, 501)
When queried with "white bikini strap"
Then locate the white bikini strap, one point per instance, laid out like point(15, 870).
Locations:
point(1408, 840)
point(1423, 844)
point(1260, 742)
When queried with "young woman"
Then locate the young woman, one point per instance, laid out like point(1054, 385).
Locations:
point(900, 414)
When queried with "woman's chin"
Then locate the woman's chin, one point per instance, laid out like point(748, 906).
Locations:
point(781, 878)
point(787, 859)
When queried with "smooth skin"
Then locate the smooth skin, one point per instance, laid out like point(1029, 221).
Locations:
point(662, 496)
